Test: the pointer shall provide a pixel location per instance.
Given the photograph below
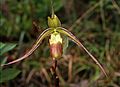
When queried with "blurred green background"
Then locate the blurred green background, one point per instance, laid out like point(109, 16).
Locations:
point(96, 23)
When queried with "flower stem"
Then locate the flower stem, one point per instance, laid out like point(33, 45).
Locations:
point(55, 76)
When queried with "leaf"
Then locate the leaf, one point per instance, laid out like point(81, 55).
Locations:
point(57, 5)
point(6, 47)
point(8, 74)
point(2, 61)
point(1, 45)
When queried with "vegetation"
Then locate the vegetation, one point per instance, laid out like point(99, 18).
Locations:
point(95, 23)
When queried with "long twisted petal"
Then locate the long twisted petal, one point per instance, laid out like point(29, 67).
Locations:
point(73, 38)
point(44, 34)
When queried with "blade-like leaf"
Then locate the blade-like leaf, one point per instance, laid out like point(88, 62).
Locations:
point(8, 74)
point(1, 45)
point(2, 61)
point(66, 32)
point(6, 47)
point(44, 34)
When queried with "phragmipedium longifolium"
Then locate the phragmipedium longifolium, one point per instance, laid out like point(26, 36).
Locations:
point(56, 41)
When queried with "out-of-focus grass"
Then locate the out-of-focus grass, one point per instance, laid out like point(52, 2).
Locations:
point(99, 31)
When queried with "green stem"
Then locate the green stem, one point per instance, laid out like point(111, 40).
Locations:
point(52, 9)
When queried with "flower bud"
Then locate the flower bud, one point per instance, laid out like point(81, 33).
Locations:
point(54, 22)
point(56, 45)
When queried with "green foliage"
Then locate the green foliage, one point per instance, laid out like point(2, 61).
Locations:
point(6, 47)
point(19, 15)
point(8, 73)
point(99, 31)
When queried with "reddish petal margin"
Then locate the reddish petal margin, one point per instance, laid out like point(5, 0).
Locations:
point(44, 34)
point(74, 39)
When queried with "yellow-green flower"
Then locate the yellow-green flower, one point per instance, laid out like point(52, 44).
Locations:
point(55, 41)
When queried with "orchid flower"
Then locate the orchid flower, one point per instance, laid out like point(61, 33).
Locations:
point(56, 41)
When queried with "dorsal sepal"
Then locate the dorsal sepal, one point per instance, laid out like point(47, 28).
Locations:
point(54, 22)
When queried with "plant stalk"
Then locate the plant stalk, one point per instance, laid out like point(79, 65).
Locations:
point(55, 76)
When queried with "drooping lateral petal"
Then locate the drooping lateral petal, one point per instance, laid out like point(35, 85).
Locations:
point(44, 34)
point(73, 38)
